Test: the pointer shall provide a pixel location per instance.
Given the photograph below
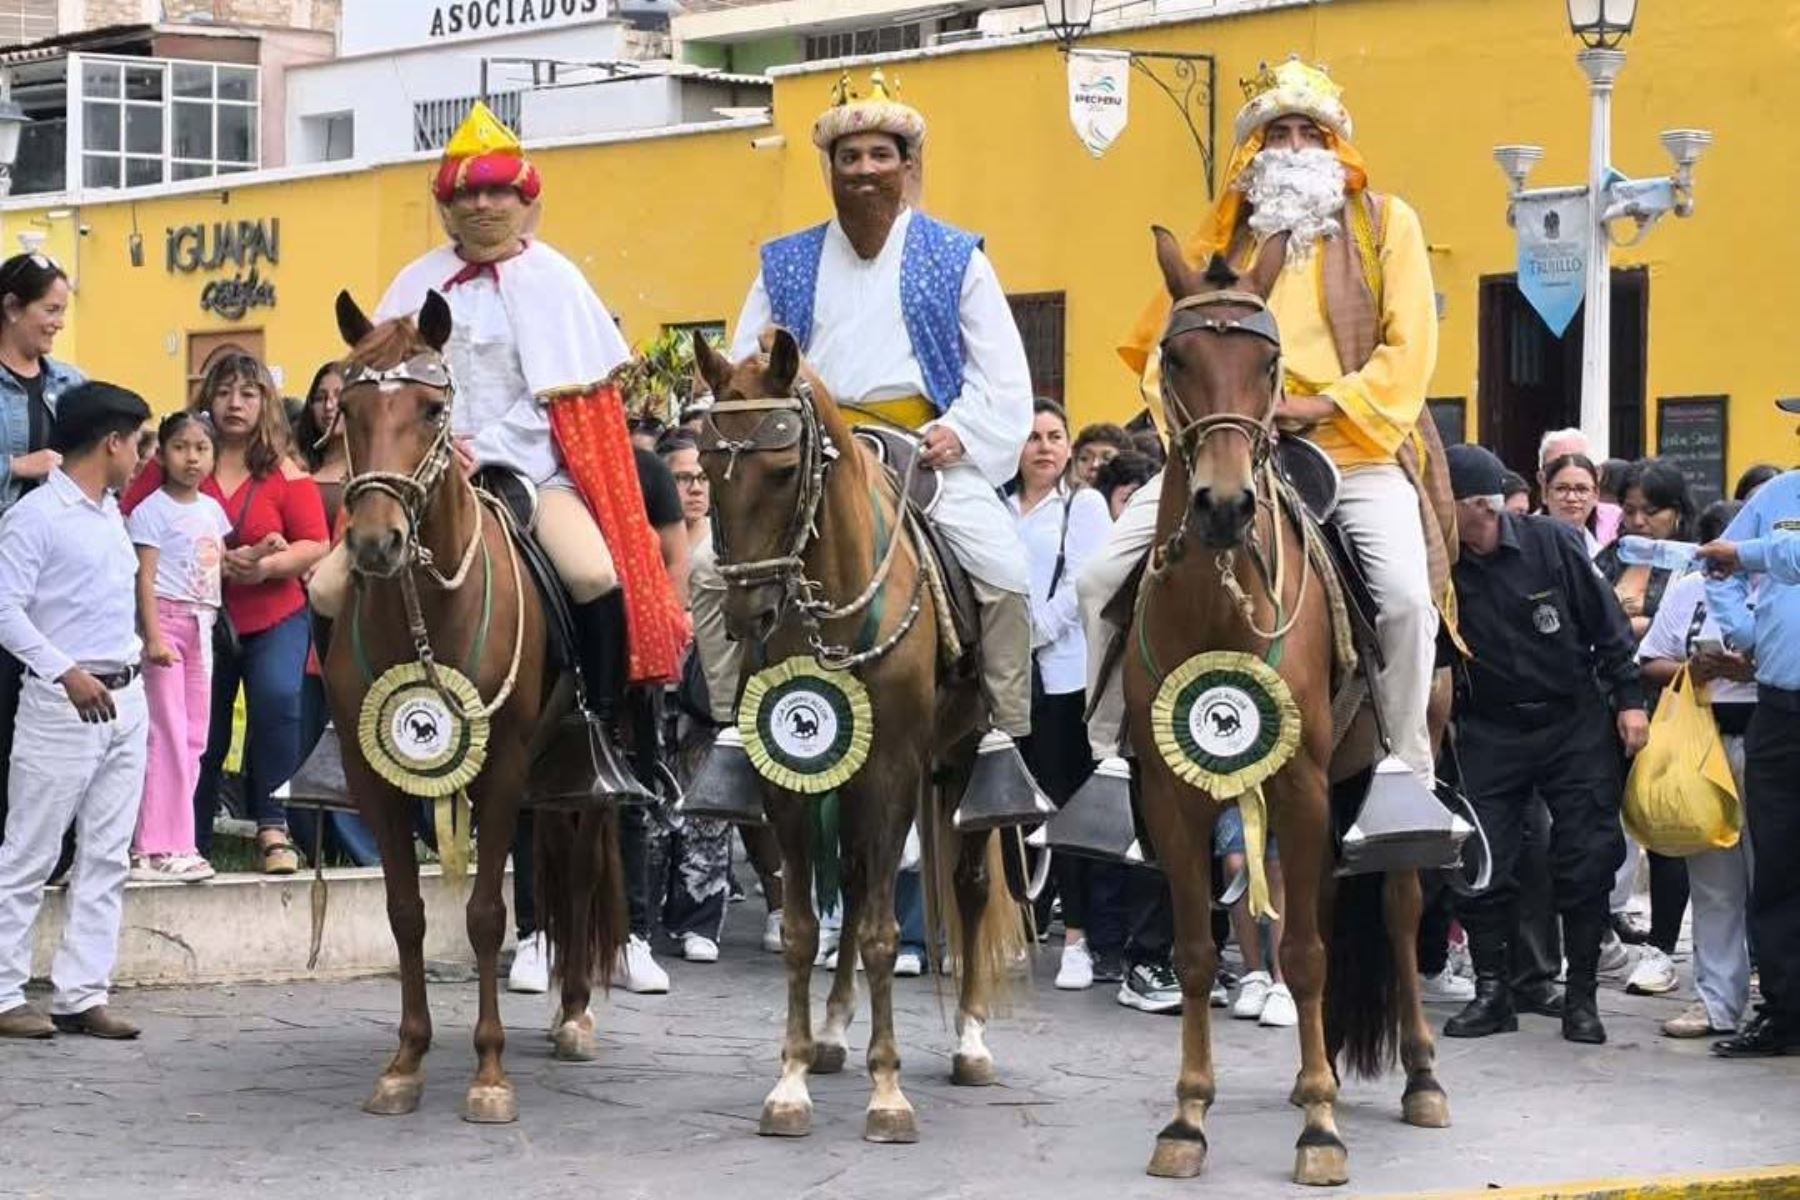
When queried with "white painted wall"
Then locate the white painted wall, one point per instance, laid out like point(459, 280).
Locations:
point(372, 26)
point(381, 89)
point(627, 105)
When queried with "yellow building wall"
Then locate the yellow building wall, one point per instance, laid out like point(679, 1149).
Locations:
point(667, 227)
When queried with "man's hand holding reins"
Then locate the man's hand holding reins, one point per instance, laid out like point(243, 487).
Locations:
point(943, 448)
point(1293, 411)
point(464, 449)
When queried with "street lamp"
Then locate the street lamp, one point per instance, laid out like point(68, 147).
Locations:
point(12, 124)
point(1068, 20)
point(1602, 26)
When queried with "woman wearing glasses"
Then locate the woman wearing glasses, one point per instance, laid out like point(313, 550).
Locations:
point(1572, 495)
point(34, 302)
point(278, 532)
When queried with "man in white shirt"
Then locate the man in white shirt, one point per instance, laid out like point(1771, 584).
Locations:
point(68, 611)
point(903, 314)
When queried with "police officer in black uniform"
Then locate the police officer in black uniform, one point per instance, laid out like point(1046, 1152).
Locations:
point(1552, 658)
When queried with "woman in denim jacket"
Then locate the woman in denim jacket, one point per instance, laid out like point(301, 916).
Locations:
point(34, 301)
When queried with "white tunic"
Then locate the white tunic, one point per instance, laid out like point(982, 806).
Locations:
point(531, 327)
point(861, 349)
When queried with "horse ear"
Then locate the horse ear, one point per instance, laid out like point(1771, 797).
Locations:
point(1269, 261)
point(1177, 276)
point(434, 320)
point(353, 327)
point(784, 363)
point(711, 365)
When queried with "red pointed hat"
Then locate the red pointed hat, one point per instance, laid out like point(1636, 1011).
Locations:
point(485, 153)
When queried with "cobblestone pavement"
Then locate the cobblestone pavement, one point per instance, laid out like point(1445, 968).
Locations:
point(234, 1088)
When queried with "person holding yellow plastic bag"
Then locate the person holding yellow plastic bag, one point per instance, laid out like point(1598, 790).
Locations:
point(1683, 636)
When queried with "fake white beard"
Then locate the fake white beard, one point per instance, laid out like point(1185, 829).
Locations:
point(1297, 192)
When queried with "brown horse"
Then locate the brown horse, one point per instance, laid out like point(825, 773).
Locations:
point(420, 536)
point(1221, 380)
point(768, 501)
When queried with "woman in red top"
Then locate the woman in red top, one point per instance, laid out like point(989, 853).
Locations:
point(278, 533)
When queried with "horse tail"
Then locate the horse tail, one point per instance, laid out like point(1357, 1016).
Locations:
point(1000, 925)
point(1362, 1015)
point(581, 892)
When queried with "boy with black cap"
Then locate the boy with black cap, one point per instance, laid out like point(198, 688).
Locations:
point(68, 612)
point(1549, 645)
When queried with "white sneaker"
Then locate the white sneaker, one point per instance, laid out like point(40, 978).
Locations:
point(1446, 987)
point(1613, 955)
point(530, 966)
point(1278, 1010)
point(1253, 995)
point(698, 948)
point(828, 944)
point(638, 970)
point(1076, 974)
point(1220, 998)
point(1654, 974)
point(906, 965)
point(772, 933)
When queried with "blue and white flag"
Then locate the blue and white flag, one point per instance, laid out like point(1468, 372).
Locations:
point(1555, 238)
point(1099, 96)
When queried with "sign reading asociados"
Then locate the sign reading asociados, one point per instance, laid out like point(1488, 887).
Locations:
point(455, 17)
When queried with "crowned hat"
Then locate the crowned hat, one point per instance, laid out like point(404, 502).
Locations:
point(878, 112)
point(1292, 88)
point(485, 153)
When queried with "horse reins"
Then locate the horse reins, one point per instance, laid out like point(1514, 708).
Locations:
point(413, 491)
point(818, 452)
point(1189, 316)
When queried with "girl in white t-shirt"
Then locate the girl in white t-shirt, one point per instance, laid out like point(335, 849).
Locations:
point(180, 536)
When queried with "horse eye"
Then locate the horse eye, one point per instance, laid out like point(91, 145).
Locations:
point(434, 412)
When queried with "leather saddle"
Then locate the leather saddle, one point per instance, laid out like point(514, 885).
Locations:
point(896, 449)
point(519, 495)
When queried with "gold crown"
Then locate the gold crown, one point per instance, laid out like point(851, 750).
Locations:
point(844, 92)
point(880, 111)
point(1292, 87)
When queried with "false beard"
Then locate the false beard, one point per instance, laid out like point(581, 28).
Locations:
point(1297, 192)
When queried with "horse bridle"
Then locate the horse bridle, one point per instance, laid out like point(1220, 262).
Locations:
point(1190, 316)
point(794, 420)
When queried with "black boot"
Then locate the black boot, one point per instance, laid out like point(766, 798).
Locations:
point(600, 628)
point(1581, 1011)
point(1491, 1011)
point(1540, 996)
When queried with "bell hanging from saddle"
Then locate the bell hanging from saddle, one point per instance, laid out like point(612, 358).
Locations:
point(1401, 826)
point(727, 787)
point(1097, 821)
point(319, 782)
point(1001, 791)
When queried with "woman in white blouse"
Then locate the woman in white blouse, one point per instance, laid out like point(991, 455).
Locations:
point(1061, 527)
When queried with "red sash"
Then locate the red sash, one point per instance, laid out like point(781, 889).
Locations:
point(596, 450)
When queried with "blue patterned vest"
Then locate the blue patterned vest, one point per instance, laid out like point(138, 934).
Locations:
point(932, 265)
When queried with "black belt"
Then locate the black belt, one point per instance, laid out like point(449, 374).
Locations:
point(114, 682)
point(1523, 714)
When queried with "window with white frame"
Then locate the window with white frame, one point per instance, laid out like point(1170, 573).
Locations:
point(150, 121)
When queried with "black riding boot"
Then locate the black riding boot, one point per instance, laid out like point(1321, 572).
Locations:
point(1491, 1011)
point(600, 628)
point(1581, 1011)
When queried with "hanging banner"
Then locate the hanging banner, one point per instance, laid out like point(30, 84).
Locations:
point(1099, 97)
point(1555, 238)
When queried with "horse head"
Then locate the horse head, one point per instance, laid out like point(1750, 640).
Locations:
point(1221, 378)
point(396, 420)
point(764, 450)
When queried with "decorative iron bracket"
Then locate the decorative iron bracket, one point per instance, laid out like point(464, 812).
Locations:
point(1191, 82)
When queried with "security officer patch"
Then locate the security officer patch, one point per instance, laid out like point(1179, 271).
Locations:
point(1546, 618)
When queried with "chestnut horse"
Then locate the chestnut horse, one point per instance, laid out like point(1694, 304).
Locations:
point(419, 535)
point(768, 501)
point(1221, 379)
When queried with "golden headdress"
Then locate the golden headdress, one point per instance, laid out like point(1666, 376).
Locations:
point(878, 112)
point(1293, 87)
point(485, 153)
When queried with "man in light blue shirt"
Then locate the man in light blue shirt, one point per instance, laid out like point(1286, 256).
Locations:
point(1765, 540)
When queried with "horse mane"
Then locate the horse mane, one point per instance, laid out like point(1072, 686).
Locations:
point(1219, 272)
point(388, 344)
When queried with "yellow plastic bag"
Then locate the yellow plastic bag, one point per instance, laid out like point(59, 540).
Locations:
point(1680, 798)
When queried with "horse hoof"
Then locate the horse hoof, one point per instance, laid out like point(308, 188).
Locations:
point(574, 1043)
point(969, 1071)
point(491, 1104)
point(1322, 1165)
point(1177, 1158)
point(395, 1095)
point(891, 1125)
point(828, 1058)
point(1427, 1108)
point(785, 1120)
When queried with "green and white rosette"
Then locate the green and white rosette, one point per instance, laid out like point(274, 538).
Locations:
point(416, 739)
point(1224, 722)
point(806, 729)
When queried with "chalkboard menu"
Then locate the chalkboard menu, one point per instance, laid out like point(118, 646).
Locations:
point(1690, 432)
point(1452, 417)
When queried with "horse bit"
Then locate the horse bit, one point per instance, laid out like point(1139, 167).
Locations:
point(792, 420)
point(1188, 316)
point(412, 491)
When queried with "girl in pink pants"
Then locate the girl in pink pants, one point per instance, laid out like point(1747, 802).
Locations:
point(180, 535)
